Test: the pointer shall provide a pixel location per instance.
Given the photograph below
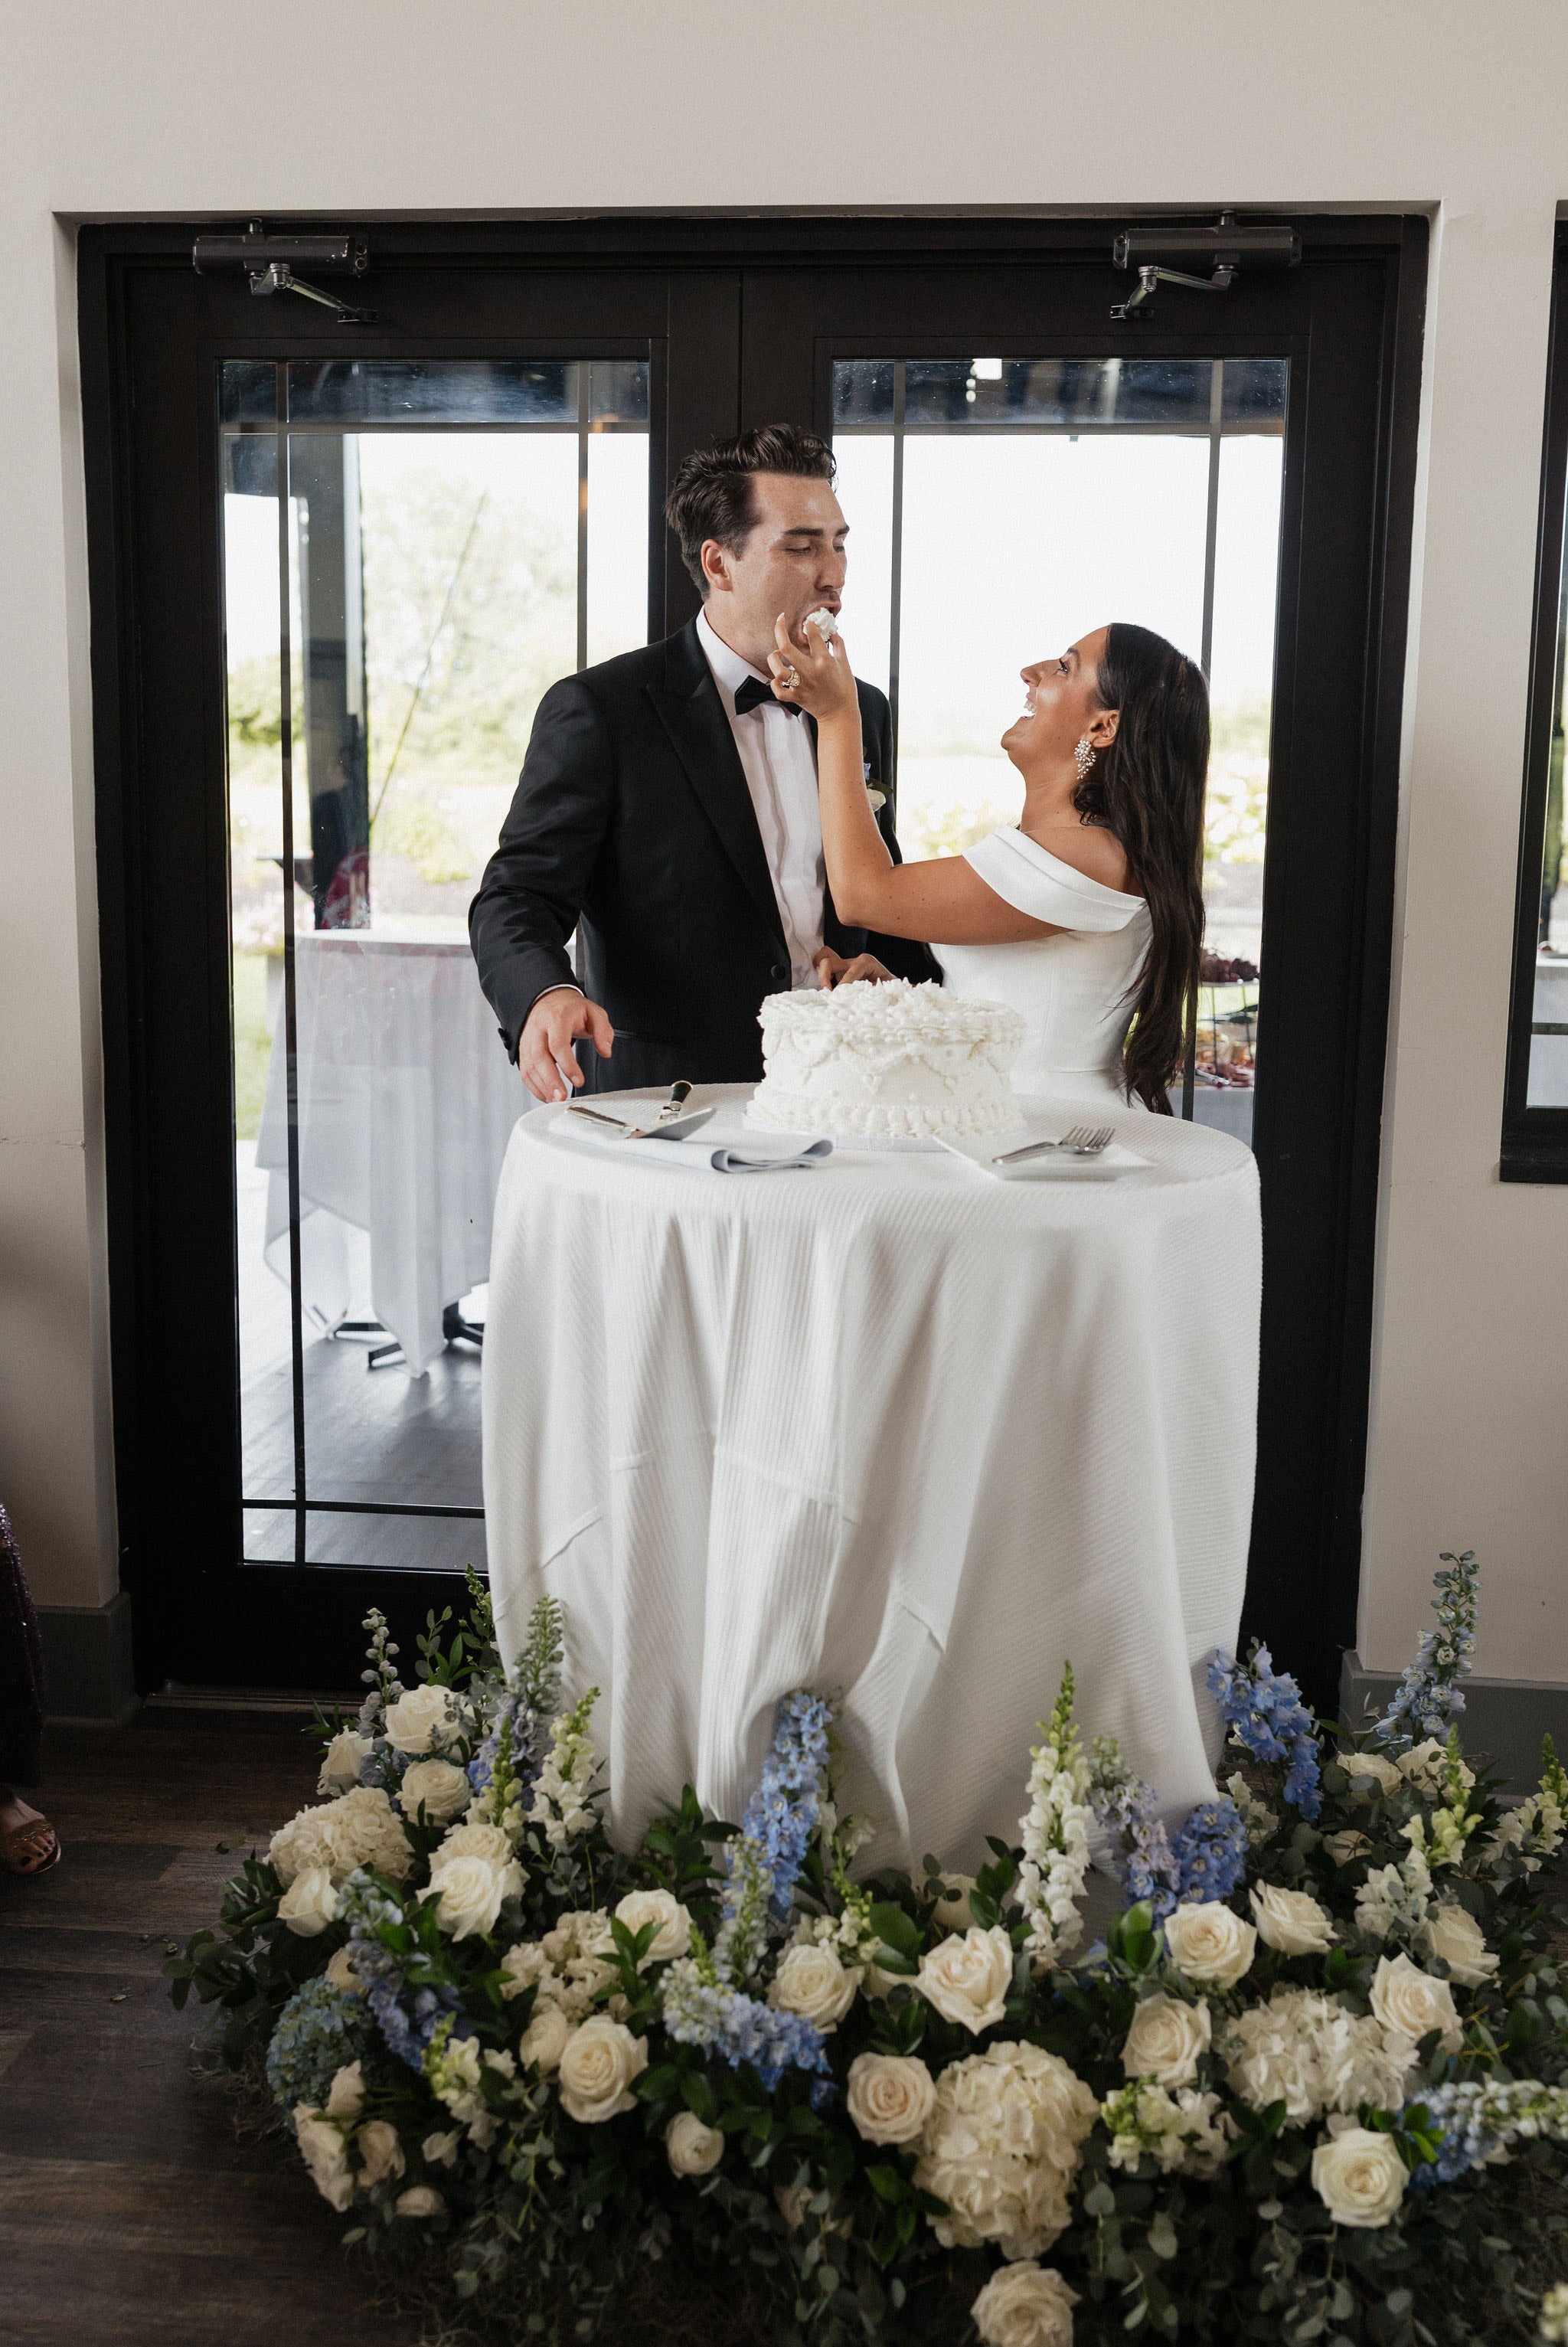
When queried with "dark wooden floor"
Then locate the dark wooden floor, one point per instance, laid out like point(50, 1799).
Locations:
point(131, 2208)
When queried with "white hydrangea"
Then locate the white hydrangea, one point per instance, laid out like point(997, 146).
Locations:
point(359, 1828)
point(1002, 2148)
point(1311, 2052)
point(1188, 2132)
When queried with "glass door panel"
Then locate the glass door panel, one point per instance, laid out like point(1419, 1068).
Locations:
point(447, 538)
point(999, 508)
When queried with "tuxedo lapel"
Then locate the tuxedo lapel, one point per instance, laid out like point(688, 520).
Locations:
point(692, 714)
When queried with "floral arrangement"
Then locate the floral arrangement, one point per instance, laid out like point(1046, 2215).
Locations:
point(1298, 2092)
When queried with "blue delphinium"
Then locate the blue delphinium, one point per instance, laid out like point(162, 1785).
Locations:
point(1139, 1849)
point(1265, 1710)
point(741, 2028)
point(780, 1815)
point(512, 1709)
point(1210, 1852)
point(319, 2031)
point(1429, 1697)
point(1472, 2119)
point(406, 2016)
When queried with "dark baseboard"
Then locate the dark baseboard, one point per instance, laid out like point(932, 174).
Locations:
point(87, 1671)
point(1504, 1718)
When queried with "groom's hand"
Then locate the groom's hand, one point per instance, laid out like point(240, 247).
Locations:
point(546, 1061)
point(832, 969)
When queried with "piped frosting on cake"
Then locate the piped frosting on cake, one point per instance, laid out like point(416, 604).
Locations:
point(886, 1061)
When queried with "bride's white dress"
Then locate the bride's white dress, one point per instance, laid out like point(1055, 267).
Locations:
point(1073, 990)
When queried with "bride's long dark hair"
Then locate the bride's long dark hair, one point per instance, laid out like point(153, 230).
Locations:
point(1148, 788)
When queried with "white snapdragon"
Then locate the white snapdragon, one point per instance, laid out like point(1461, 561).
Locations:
point(1055, 1835)
point(560, 1791)
point(1261, 1822)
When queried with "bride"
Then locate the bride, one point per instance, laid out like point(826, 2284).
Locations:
point(1088, 916)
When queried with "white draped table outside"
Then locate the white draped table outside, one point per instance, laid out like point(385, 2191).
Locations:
point(885, 1428)
point(406, 1103)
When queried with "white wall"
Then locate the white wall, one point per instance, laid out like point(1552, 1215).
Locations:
point(134, 108)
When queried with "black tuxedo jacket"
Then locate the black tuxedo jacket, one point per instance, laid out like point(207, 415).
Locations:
point(632, 823)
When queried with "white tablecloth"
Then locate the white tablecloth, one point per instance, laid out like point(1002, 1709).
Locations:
point(406, 1104)
point(887, 1428)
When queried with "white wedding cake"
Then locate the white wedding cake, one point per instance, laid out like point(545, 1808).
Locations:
point(888, 1061)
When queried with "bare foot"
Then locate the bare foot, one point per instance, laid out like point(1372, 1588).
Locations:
point(36, 1851)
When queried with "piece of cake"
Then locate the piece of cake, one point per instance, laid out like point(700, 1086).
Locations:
point(888, 1061)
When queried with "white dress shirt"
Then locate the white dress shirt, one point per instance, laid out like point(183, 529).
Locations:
point(780, 766)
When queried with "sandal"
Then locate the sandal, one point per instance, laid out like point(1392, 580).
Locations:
point(22, 1843)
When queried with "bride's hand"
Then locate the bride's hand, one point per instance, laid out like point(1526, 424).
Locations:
point(815, 677)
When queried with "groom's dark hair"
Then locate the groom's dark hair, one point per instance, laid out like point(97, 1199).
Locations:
point(711, 493)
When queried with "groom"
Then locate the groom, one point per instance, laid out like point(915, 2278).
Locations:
point(667, 810)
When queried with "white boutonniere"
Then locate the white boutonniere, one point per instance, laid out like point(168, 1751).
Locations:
point(878, 798)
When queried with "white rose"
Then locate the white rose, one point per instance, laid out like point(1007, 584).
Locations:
point(674, 1936)
point(1344, 1846)
point(1455, 1936)
point(1209, 1943)
point(1409, 2002)
point(1370, 1773)
point(342, 1760)
point(544, 2040)
point(1359, 2177)
point(439, 1787)
point(1165, 2040)
point(890, 2097)
point(417, 1719)
point(421, 2200)
point(951, 1912)
point(380, 2153)
point(325, 2154)
point(346, 2096)
point(340, 1974)
point(1025, 2306)
point(1292, 1921)
point(968, 1976)
point(471, 1876)
point(812, 1982)
point(1425, 1766)
point(691, 2148)
point(310, 1904)
point(441, 2150)
point(600, 2061)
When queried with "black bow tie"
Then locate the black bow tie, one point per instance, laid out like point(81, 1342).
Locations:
point(755, 694)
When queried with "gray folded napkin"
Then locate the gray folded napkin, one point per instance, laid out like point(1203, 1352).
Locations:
point(702, 1153)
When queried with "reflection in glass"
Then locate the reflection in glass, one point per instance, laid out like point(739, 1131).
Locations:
point(1000, 507)
point(1547, 1083)
point(456, 536)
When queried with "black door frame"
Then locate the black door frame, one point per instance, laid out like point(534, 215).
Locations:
point(1352, 321)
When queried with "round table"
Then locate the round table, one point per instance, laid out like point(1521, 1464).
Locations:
point(883, 1426)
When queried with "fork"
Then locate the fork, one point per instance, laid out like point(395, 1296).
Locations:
point(1081, 1141)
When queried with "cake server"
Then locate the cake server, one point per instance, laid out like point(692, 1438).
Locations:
point(673, 1122)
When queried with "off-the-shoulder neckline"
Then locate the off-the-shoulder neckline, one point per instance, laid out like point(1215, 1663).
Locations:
point(1069, 872)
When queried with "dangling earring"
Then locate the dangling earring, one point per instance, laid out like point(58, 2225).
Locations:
point(1084, 757)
